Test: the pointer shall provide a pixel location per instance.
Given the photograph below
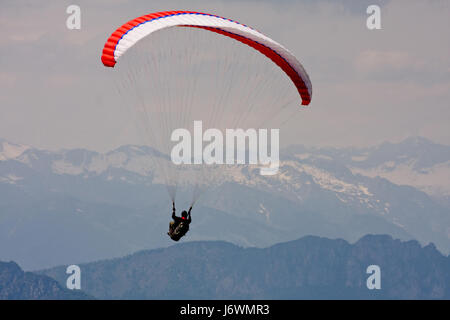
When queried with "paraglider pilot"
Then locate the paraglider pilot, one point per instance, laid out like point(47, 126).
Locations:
point(180, 225)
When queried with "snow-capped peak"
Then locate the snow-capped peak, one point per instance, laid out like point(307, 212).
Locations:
point(10, 150)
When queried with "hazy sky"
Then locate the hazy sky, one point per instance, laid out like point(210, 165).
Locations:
point(369, 86)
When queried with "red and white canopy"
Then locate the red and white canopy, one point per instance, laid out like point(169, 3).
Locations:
point(133, 31)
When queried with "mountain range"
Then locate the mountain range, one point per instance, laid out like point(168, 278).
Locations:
point(75, 206)
point(308, 268)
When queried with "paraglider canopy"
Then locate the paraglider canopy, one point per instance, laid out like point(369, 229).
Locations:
point(134, 30)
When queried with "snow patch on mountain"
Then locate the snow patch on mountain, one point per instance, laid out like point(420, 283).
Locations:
point(434, 180)
point(262, 210)
point(10, 150)
point(10, 178)
point(64, 167)
point(329, 182)
point(303, 156)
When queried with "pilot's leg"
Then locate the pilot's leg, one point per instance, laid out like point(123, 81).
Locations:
point(170, 227)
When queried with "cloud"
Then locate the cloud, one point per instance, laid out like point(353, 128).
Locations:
point(375, 61)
